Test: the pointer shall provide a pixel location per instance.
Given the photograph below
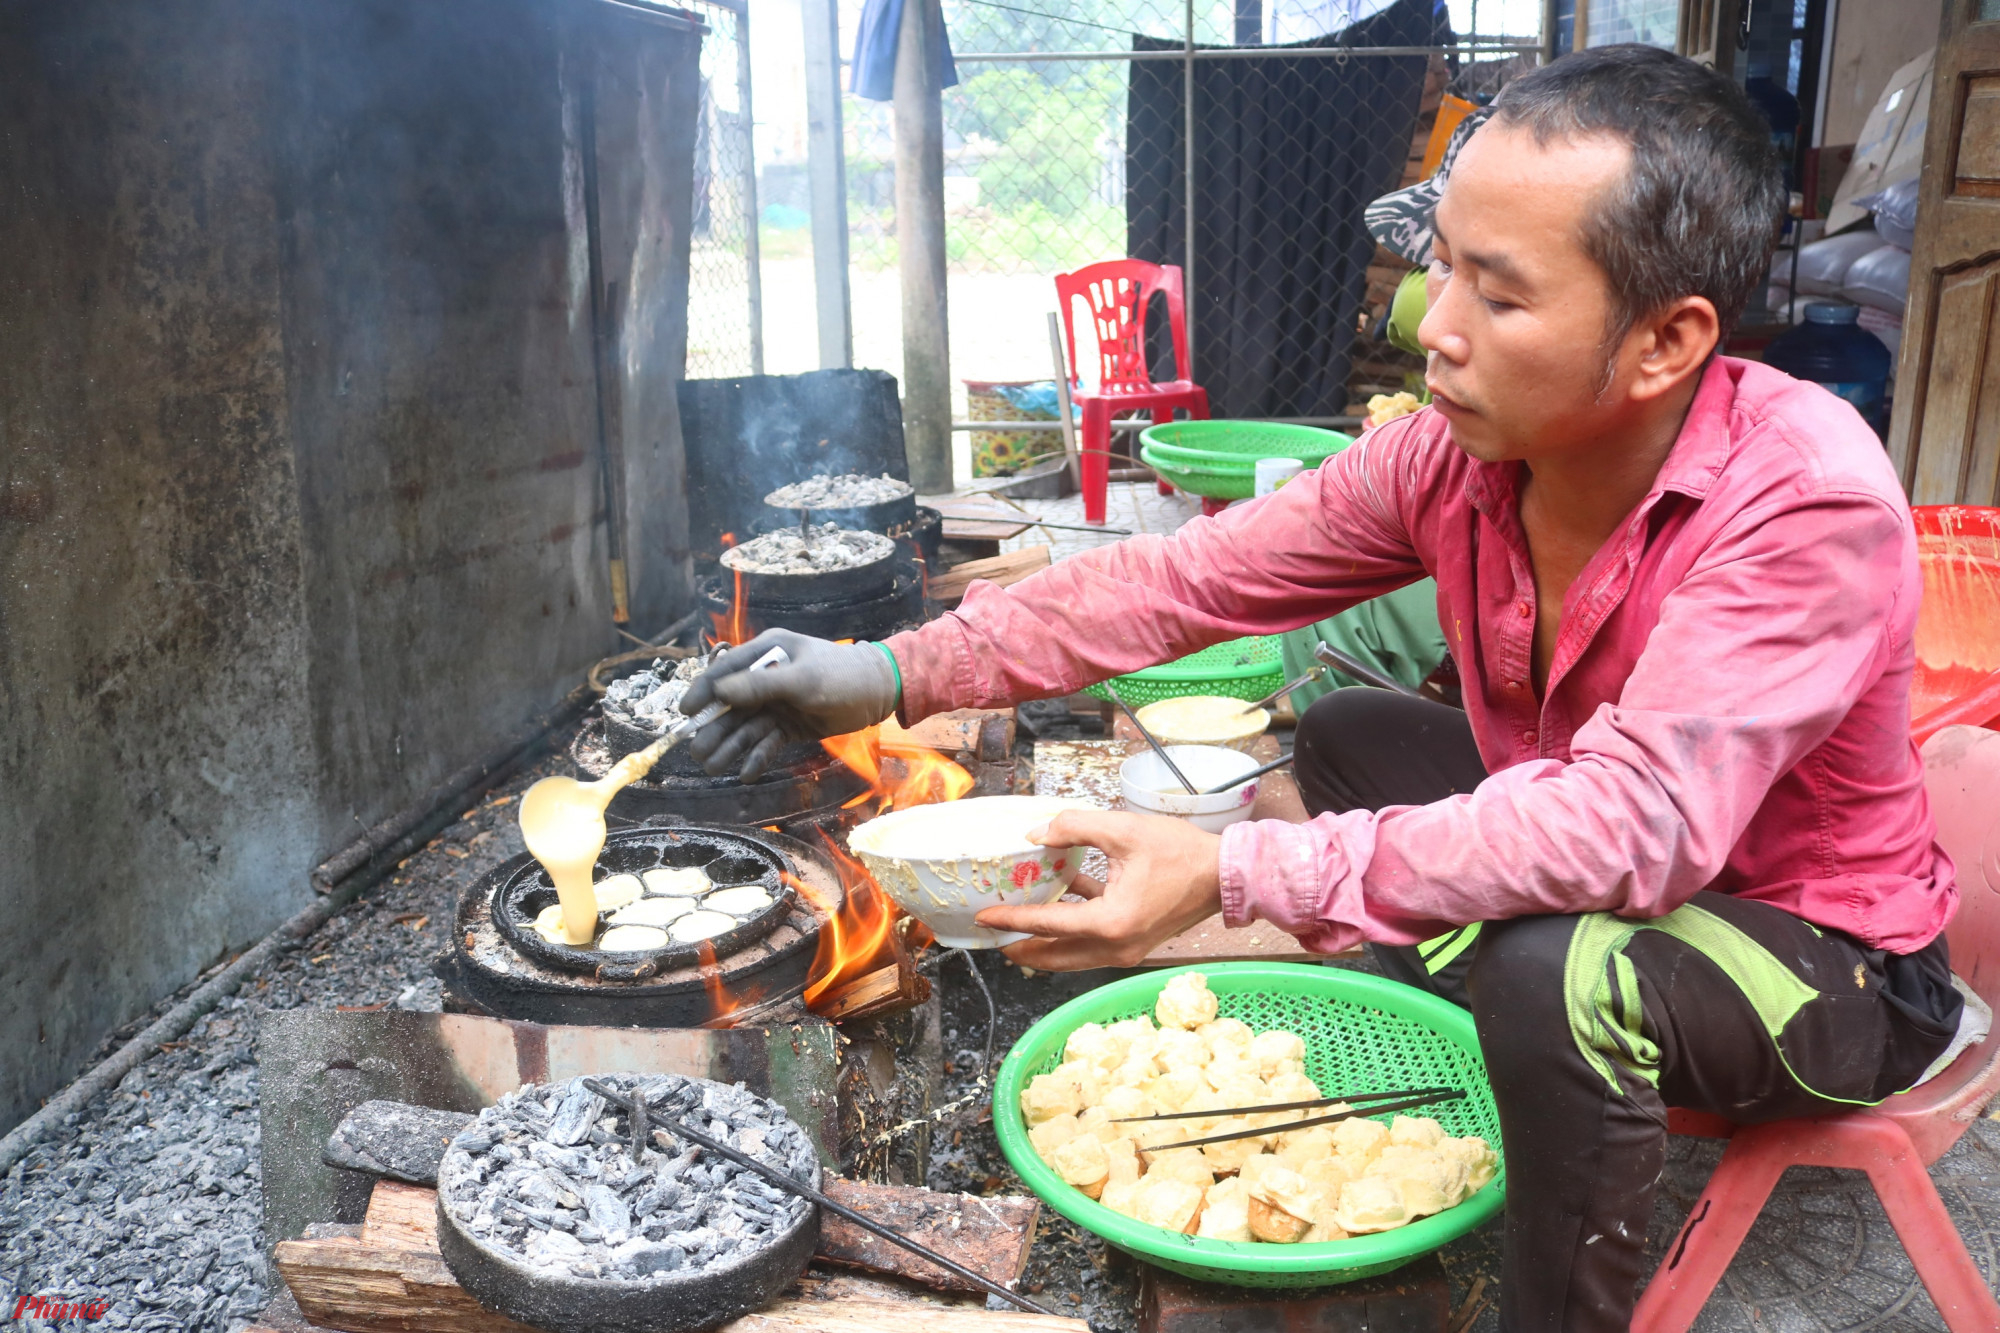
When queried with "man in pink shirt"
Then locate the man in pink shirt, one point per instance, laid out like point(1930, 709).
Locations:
point(1675, 850)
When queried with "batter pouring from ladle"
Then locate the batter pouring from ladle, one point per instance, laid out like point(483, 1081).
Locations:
point(562, 820)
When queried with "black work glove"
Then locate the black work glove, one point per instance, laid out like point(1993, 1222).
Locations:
point(827, 689)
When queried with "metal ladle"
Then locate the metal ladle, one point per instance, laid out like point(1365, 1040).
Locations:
point(1158, 748)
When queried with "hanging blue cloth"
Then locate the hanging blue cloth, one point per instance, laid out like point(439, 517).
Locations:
point(874, 74)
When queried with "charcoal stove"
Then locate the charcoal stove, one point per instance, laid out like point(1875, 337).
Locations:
point(805, 786)
point(490, 968)
point(876, 616)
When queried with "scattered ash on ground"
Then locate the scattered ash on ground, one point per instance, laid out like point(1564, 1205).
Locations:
point(150, 1198)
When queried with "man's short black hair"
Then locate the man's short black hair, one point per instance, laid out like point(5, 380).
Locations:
point(1700, 210)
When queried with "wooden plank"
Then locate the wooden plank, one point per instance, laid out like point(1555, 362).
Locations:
point(359, 1288)
point(1005, 569)
point(390, 1277)
point(401, 1217)
point(990, 1236)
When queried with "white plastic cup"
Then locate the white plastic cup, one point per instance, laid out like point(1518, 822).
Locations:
point(1275, 472)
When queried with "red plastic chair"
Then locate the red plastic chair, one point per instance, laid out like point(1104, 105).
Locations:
point(1893, 1142)
point(1117, 293)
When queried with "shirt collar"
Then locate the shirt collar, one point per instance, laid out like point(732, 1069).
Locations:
point(1700, 451)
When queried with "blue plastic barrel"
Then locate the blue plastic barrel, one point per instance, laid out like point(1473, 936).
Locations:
point(1833, 351)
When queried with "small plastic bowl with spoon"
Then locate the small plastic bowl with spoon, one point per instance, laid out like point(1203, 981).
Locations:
point(1151, 788)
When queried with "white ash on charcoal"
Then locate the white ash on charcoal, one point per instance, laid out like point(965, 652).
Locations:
point(787, 552)
point(547, 1176)
point(850, 491)
point(650, 699)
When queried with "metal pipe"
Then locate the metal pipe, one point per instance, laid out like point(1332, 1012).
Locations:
point(752, 253)
point(920, 250)
point(1143, 423)
point(1241, 53)
point(1187, 185)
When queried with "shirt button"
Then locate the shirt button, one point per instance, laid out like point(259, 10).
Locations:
point(1532, 737)
point(1514, 685)
point(1525, 610)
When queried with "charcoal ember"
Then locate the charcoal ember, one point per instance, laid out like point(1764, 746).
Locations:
point(608, 1212)
point(849, 491)
point(574, 1117)
point(650, 699)
point(819, 550)
point(569, 1199)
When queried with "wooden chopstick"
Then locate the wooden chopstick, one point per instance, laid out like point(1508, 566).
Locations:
point(1448, 1095)
point(1294, 1106)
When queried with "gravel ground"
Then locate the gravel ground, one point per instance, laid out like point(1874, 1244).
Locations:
point(150, 1198)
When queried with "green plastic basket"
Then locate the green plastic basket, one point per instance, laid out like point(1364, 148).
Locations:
point(1239, 669)
point(1218, 459)
point(1362, 1034)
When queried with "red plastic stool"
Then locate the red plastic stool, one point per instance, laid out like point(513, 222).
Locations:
point(1893, 1142)
point(1117, 292)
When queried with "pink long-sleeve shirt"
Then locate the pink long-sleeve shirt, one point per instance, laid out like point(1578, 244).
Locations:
point(1728, 706)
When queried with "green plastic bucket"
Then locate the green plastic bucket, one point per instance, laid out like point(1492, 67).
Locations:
point(1362, 1034)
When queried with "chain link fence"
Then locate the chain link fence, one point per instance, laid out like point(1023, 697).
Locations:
point(725, 322)
point(1067, 142)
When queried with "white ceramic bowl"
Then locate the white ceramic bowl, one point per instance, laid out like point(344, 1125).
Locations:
point(1151, 789)
point(1204, 719)
point(946, 863)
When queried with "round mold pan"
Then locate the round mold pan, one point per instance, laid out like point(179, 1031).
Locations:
point(679, 1302)
point(729, 860)
point(890, 517)
point(856, 583)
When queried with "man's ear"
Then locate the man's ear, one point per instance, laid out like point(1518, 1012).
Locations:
point(1674, 344)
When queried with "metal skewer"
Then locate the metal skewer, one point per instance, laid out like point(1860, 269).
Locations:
point(1449, 1095)
point(811, 1195)
point(1158, 748)
point(1256, 772)
point(1311, 674)
point(1333, 657)
point(1306, 1105)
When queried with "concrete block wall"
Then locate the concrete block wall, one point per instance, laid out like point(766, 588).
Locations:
point(303, 498)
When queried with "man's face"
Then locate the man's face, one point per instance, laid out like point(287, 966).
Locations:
point(1518, 311)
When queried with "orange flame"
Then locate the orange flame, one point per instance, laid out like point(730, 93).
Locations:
point(898, 776)
point(720, 1002)
point(734, 628)
point(859, 938)
point(856, 939)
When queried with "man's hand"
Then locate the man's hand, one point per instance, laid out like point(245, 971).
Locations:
point(827, 689)
point(1165, 876)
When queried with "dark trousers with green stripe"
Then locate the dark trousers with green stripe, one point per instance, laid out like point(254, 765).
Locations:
point(1592, 1025)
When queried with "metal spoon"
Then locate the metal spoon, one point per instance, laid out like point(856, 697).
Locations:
point(1256, 772)
point(1158, 748)
point(1311, 673)
point(1361, 671)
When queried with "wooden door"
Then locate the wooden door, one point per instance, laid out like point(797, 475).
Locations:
point(1944, 435)
point(1710, 32)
